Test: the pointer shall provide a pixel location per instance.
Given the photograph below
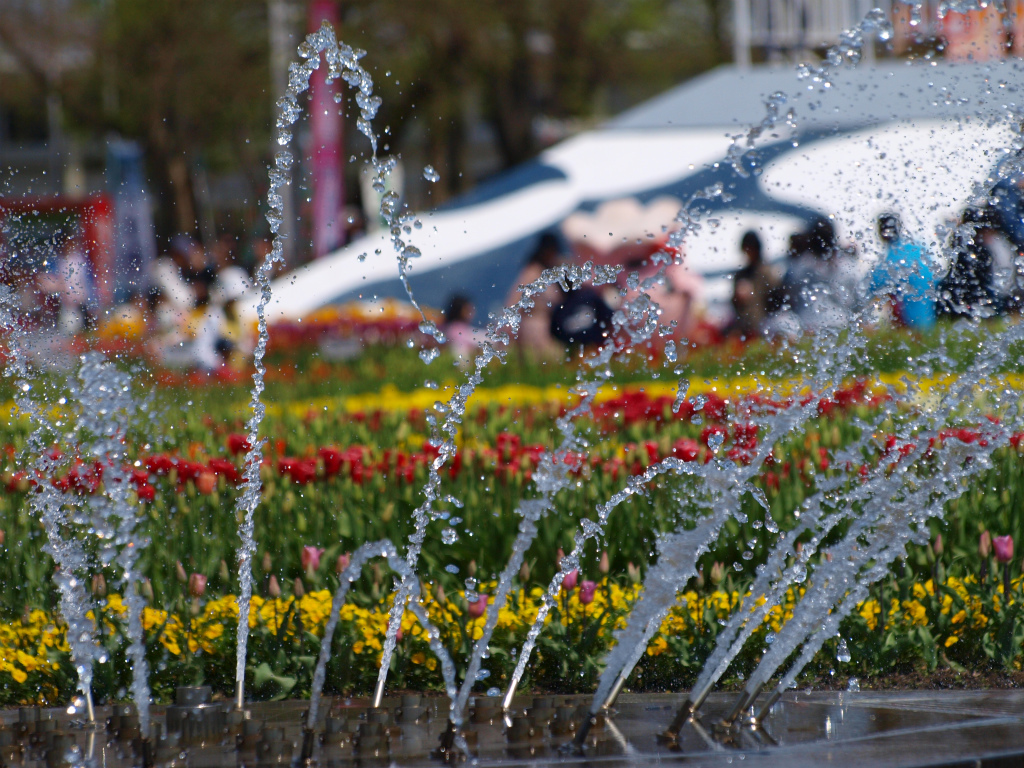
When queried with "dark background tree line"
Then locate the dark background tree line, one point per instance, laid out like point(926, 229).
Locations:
point(190, 79)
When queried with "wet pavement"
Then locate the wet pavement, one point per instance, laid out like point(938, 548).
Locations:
point(912, 728)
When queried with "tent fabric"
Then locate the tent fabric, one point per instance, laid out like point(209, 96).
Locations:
point(831, 162)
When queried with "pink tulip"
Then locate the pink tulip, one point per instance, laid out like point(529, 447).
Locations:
point(344, 561)
point(587, 589)
point(311, 558)
point(477, 608)
point(570, 579)
point(985, 545)
point(196, 584)
point(558, 557)
point(273, 588)
point(605, 565)
point(1003, 548)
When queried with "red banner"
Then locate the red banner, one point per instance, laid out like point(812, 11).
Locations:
point(327, 129)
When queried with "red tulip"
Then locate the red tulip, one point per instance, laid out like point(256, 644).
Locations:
point(570, 579)
point(587, 589)
point(238, 443)
point(206, 483)
point(196, 584)
point(1003, 548)
point(478, 607)
point(145, 492)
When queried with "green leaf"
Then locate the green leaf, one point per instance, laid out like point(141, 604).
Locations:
point(269, 686)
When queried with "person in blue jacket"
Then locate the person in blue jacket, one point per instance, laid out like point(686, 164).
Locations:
point(906, 274)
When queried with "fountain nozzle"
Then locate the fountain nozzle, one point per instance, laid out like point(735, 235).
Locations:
point(90, 712)
point(671, 734)
point(575, 747)
point(746, 700)
point(308, 738)
point(766, 708)
point(447, 750)
point(148, 758)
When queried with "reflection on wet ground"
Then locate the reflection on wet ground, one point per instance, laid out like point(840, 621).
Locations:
point(917, 728)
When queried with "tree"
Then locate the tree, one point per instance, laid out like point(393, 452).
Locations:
point(512, 64)
point(191, 83)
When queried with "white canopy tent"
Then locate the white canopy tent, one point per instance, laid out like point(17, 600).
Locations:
point(920, 138)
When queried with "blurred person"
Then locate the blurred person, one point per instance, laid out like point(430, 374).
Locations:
point(534, 338)
point(906, 275)
point(223, 252)
point(752, 289)
point(463, 339)
point(170, 274)
point(76, 289)
point(218, 336)
point(126, 320)
point(968, 289)
point(820, 285)
point(231, 286)
point(167, 336)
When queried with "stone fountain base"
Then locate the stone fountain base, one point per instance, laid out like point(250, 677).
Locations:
point(916, 728)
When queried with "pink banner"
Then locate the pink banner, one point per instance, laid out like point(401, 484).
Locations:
point(327, 128)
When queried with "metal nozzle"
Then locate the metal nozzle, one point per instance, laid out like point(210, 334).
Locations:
point(766, 708)
point(308, 739)
point(746, 698)
point(671, 734)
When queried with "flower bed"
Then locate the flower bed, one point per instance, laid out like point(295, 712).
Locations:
point(342, 471)
point(965, 623)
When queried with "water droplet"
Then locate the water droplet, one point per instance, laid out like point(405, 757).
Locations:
point(842, 652)
point(449, 536)
point(430, 174)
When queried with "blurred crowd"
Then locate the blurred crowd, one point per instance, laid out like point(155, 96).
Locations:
point(183, 310)
point(823, 284)
point(818, 283)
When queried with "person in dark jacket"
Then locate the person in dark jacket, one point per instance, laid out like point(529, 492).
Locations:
point(968, 290)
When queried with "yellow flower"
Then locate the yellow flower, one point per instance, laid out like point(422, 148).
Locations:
point(18, 675)
point(418, 658)
point(870, 610)
point(431, 663)
point(916, 612)
point(952, 640)
point(657, 647)
point(960, 616)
